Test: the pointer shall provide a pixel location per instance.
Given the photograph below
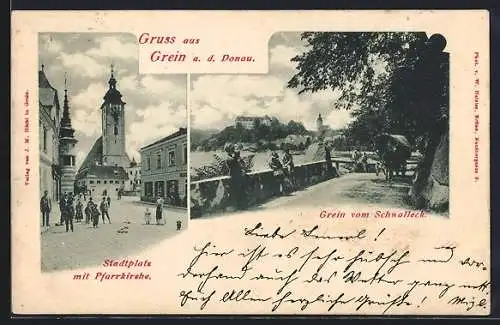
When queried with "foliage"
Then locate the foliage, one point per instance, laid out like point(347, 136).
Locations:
point(219, 167)
point(391, 82)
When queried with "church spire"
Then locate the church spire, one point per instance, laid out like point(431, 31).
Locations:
point(112, 80)
point(66, 129)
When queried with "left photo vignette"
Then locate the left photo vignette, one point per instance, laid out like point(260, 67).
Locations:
point(113, 151)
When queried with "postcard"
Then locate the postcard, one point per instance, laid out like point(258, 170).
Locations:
point(251, 162)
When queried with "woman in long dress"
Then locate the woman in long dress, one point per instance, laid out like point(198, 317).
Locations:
point(159, 210)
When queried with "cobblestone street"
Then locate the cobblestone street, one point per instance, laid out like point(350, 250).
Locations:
point(86, 247)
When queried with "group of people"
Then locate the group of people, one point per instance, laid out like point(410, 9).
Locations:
point(360, 161)
point(283, 172)
point(71, 208)
point(158, 213)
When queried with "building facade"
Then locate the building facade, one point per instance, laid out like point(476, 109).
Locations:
point(164, 169)
point(105, 170)
point(249, 122)
point(49, 121)
point(134, 177)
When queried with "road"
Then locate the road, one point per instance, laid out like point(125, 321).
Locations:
point(87, 247)
point(358, 188)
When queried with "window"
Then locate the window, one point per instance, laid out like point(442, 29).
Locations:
point(148, 163)
point(171, 158)
point(158, 160)
point(130, 182)
point(185, 157)
point(148, 189)
point(106, 182)
point(130, 172)
point(44, 139)
point(66, 160)
point(123, 182)
point(159, 189)
point(98, 182)
point(91, 182)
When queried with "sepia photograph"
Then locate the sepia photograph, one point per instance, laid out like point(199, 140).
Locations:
point(113, 150)
point(354, 117)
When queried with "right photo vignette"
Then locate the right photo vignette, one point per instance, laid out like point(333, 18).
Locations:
point(341, 117)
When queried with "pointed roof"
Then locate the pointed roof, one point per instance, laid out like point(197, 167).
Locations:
point(133, 163)
point(112, 96)
point(66, 130)
point(94, 155)
point(47, 95)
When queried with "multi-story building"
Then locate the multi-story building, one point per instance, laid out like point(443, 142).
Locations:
point(105, 169)
point(49, 119)
point(249, 122)
point(164, 169)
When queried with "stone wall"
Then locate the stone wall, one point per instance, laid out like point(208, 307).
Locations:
point(212, 195)
point(433, 192)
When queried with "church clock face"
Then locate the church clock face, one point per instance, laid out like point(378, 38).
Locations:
point(115, 112)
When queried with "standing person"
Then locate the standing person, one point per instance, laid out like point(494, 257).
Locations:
point(62, 207)
point(288, 167)
point(364, 162)
point(88, 212)
point(104, 210)
point(45, 207)
point(159, 210)
point(329, 167)
point(278, 174)
point(109, 201)
point(70, 213)
point(79, 210)
point(94, 212)
point(237, 180)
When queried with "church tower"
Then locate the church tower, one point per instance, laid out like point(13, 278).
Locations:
point(319, 123)
point(67, 144)
point(113, 127)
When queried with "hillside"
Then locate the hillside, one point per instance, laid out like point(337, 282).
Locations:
point(197, 136)
point(261, 137)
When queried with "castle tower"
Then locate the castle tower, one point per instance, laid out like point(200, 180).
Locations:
point(67, 144)
point(113, 127)
point(319, 123)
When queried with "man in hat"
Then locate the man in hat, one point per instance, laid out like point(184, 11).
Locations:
point(104, 210)
point(45, 207)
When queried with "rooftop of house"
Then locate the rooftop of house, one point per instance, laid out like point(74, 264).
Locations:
point(178, 133)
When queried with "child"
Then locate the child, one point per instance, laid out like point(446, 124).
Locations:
point(147, 216)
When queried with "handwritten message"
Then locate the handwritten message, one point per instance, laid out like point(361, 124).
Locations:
point(311, 270)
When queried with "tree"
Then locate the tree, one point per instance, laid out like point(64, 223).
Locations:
point(393, 82)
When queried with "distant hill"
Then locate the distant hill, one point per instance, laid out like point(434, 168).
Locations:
point(197, 136)
point(261, 136)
